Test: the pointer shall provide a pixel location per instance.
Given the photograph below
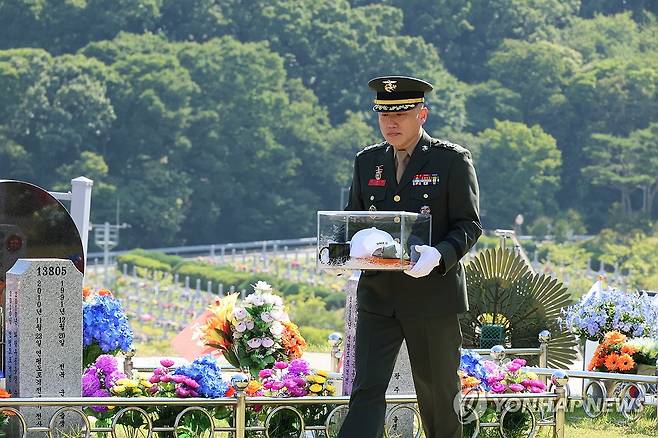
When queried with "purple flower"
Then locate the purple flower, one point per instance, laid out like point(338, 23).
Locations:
point(111, 379)
point(90, 384)
point(299, 367)
point(277, 385)
point(106, 363)
point(498, 388)
point(178, 379)
point(182, 392)
point(263, 374)
point(298, 392)
point(289, 383)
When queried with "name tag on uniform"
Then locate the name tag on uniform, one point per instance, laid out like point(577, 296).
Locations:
point(426, 179)
point(377, 182)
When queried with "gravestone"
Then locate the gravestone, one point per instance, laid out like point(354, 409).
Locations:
point(400, 424)
point(44, 336)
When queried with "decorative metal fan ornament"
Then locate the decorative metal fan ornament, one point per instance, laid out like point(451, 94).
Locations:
point(505, 295)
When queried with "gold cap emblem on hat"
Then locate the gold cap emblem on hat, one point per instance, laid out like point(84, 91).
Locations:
point(389, 85)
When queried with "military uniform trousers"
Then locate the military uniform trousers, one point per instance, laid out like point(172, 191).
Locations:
point(433, 343)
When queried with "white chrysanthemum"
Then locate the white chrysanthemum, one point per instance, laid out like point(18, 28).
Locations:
point(266, 317)
point(277, 328)
point(262, 286)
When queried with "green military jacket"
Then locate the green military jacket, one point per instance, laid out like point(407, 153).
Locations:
point(440, 177)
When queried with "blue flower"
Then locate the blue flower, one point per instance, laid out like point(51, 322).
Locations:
point(471, 363)
point(207, 373)
point(105, 323)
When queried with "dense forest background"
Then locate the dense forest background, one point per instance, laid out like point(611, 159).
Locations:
point(228, 120)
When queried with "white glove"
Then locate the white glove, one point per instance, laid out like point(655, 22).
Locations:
point(430, 258)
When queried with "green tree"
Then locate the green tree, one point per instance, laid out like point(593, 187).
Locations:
point(93, 166)
point(626, 165)
point(488, 101)
point(64, 111)
point(467, 32)
point(518, 168)
point(538, 72)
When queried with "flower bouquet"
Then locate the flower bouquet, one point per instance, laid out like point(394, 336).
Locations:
point(630, 313)
point(201, 378)
point(614, 354)
point(293, 379)
point(105, 328)
point(487, 376)
point(646, 354)
point(97, 381)
point(252, 334)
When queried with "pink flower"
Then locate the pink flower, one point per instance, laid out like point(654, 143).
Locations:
point(182, 392)
point(498, 388)
point(516, 387)
point(166, 363)
point(536, 389)
point(265, 373)
point(166, 378)
point(267, 384)
point(277, 385)
point(191, 383)
point(513, 367)
point(280, 365)
point(178, 379)
point(520, 361)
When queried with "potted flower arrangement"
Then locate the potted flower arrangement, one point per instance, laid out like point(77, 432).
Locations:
point(487, 376)
point(630, 313)
point(646, 354)
point(105, 328)
point(293, 379)
point(201, 378)
point(254, 333)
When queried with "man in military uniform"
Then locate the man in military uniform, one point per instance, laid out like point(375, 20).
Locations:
point(420, 174)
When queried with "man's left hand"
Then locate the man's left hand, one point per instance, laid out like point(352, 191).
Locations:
point(429, 259)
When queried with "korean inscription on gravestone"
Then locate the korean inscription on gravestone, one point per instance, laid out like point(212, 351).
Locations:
point(44, 334)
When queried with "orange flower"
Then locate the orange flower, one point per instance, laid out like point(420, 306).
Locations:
point(292, 340)
point(104, 293)
point(628, 349)
point(253, 387)
point(596, 362)
point(614, 338)
point(611, 362)
point(4, 393)
point(86, 291)
point(625, 363)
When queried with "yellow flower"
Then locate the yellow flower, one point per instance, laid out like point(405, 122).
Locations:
point(130, 384)
point(320, 380)
point(122, 381)
point(322, 373)
point(331, 389)
point(119, 389)
point(315, 388)
point(145, 383)
point(532, 376)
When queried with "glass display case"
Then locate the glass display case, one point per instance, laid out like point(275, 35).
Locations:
point(371, 240)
